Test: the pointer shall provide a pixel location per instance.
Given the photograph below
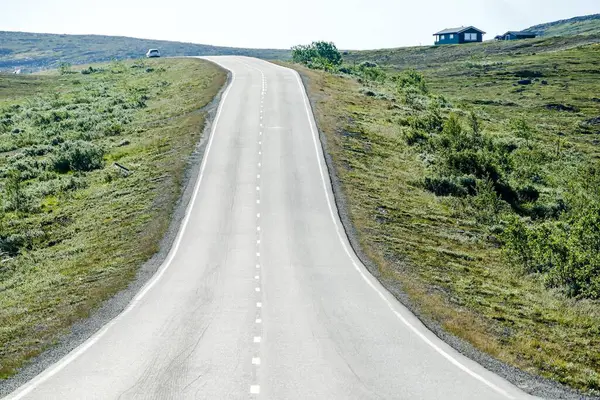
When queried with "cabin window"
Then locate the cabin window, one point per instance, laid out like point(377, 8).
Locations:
point(451, 36)
point(470, 36)
point(443, 37)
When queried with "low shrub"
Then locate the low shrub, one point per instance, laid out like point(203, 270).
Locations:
point(412, 78)
point(78, 156)
point(413, 136)
point(113, 129)
point(444, 186)
point(487, 203)
point(567, 252)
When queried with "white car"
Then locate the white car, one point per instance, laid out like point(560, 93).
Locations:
point(153, 53)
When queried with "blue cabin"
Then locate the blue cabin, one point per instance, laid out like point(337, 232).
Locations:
point(464, 34)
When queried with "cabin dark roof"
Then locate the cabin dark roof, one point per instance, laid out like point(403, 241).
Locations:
point(519, 33)
point(458, 30)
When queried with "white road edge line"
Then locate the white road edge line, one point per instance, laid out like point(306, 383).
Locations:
point(365, 278)
point(28, 387)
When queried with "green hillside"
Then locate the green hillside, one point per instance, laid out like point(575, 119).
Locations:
point(574, 26)
point(74, 229)
point(472, 184)
point(423, 57)
point(35, 51)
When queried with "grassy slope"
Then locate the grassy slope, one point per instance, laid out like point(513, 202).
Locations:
point(432, 56)
point(80, 236)
point(41, 50)
point(575, 26)
point(432, 246)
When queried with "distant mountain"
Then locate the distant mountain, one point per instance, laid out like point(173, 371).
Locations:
point(35, 51)
point(575, 26)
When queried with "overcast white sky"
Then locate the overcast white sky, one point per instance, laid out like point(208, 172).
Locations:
point(351, 24)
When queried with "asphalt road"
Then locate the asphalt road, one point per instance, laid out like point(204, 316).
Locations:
point(261, 295)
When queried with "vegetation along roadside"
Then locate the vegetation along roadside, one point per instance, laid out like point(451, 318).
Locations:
point(474, 184)
point(74, 227)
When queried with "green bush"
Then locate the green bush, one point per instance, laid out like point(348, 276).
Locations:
point(28, 167)
point(479, 163)
point(413, 136)
point(319, 55)
point(434, 122)
point(430, 122)
point(412, 78)
point(528, 194)
point(566, 252)
point(90, 70)
point(113, 129)
point(371, 72)
point(12, 244)
point(445, 186)
point(78, 156)
point(14, 197)
point(488, 205)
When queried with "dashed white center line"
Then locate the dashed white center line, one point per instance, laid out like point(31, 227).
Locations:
point(255, 389)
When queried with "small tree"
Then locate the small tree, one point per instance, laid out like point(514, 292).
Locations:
point(64, 68)
point(303, 54)
point(474, 122)
point(522, 129)
point(453, 131)
point(487, 203)
point(329, 52)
